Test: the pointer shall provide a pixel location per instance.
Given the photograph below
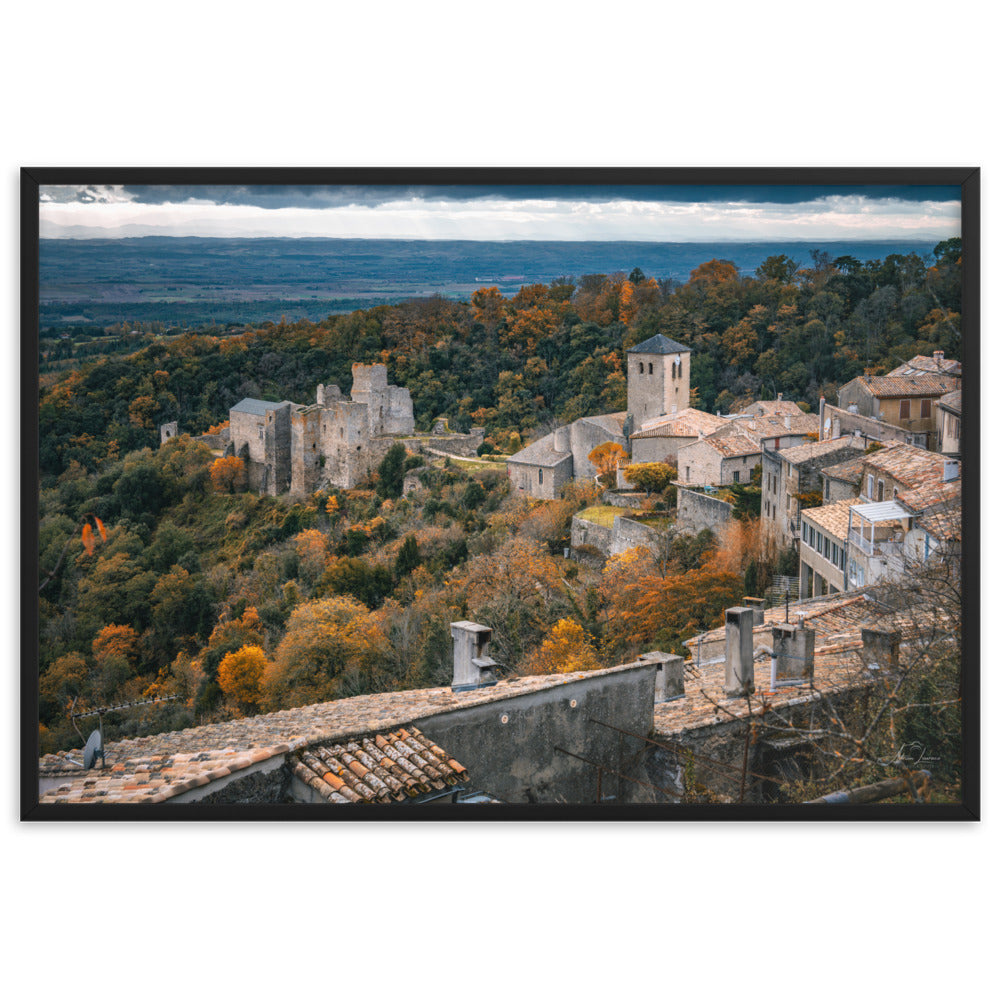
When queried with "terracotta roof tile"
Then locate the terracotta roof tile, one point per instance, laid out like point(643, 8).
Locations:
point(686, 423)
point(952, 401)
point(944, 524)
point(385, 767)
point(178, 761)
point(773, 408)
point(816, 449)
point(931, 495)
point(848, 472)
point(909, 465)
point(893, 386)
point(832, 517)
point(921, 363)
point(730, 444)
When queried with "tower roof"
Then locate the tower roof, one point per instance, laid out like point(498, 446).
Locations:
point(659, 345)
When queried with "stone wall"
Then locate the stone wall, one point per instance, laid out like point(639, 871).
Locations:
point(277, 449)
point(659, 449)
point(217, 442)
point(246, 430)
point(615, 499)
point(630, 534)
point(837, 421)
point(306, 436)
point(459, 445)
point(771, 754)
point(584, 437)
point(583, 532)
point(697, 511)
point(510, 746)
point(625, 533)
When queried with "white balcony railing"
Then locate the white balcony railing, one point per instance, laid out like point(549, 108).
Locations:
point(865, 544)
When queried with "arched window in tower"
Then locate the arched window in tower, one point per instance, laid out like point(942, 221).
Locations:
point(641, 368)
point(679, 363)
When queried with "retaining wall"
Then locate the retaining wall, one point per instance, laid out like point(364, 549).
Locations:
point(697, 511)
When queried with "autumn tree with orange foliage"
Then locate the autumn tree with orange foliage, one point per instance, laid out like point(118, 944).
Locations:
point(606, 458)
point(116, 640)
point(240, 676)
point(310, 547)
point(566, 649)
point(331, 649)
point(644, 607)
point(228, 475)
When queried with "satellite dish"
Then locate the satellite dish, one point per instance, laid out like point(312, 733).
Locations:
point(93, 749)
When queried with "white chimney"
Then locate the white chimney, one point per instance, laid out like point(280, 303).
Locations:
point(788, 422)
point(950, 470)
point(473, 668)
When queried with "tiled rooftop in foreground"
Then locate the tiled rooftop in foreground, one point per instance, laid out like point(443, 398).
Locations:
point(838, 666)
point(152, 769)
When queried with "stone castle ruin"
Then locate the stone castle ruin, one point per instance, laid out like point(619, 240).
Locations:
point(336, 441)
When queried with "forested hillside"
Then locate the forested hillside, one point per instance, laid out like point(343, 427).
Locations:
point(238, 603)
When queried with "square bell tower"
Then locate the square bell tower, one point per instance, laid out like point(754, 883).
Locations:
point(659, 379)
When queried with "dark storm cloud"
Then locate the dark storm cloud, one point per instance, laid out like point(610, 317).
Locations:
point(276, 196)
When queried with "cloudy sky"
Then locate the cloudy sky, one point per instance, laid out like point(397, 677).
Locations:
point(521, 212)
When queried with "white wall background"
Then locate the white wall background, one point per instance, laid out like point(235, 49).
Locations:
point(105, 909)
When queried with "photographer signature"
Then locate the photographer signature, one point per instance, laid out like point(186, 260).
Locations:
point(903, 757)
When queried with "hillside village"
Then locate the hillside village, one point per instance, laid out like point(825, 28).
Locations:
point(865, 493)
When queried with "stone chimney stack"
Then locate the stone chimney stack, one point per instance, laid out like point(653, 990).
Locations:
point(669, 683)
point(939, 358)
point(473, 668)
point(880, 649)
point(739, 652)
point(793, 655)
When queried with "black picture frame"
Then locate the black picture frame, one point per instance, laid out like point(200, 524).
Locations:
point(968, 179)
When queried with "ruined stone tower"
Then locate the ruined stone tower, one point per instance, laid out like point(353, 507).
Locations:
point(290, 447)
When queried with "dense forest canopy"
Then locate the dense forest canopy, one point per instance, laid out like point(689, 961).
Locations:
point(238, 603)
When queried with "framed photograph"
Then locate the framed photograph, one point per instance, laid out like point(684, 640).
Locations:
point(464, 494)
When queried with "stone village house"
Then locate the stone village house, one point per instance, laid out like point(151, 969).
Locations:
point(788, 474)
point(908, 510)
point(904, 401)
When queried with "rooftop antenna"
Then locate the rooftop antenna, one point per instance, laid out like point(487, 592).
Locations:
point(95, 742)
